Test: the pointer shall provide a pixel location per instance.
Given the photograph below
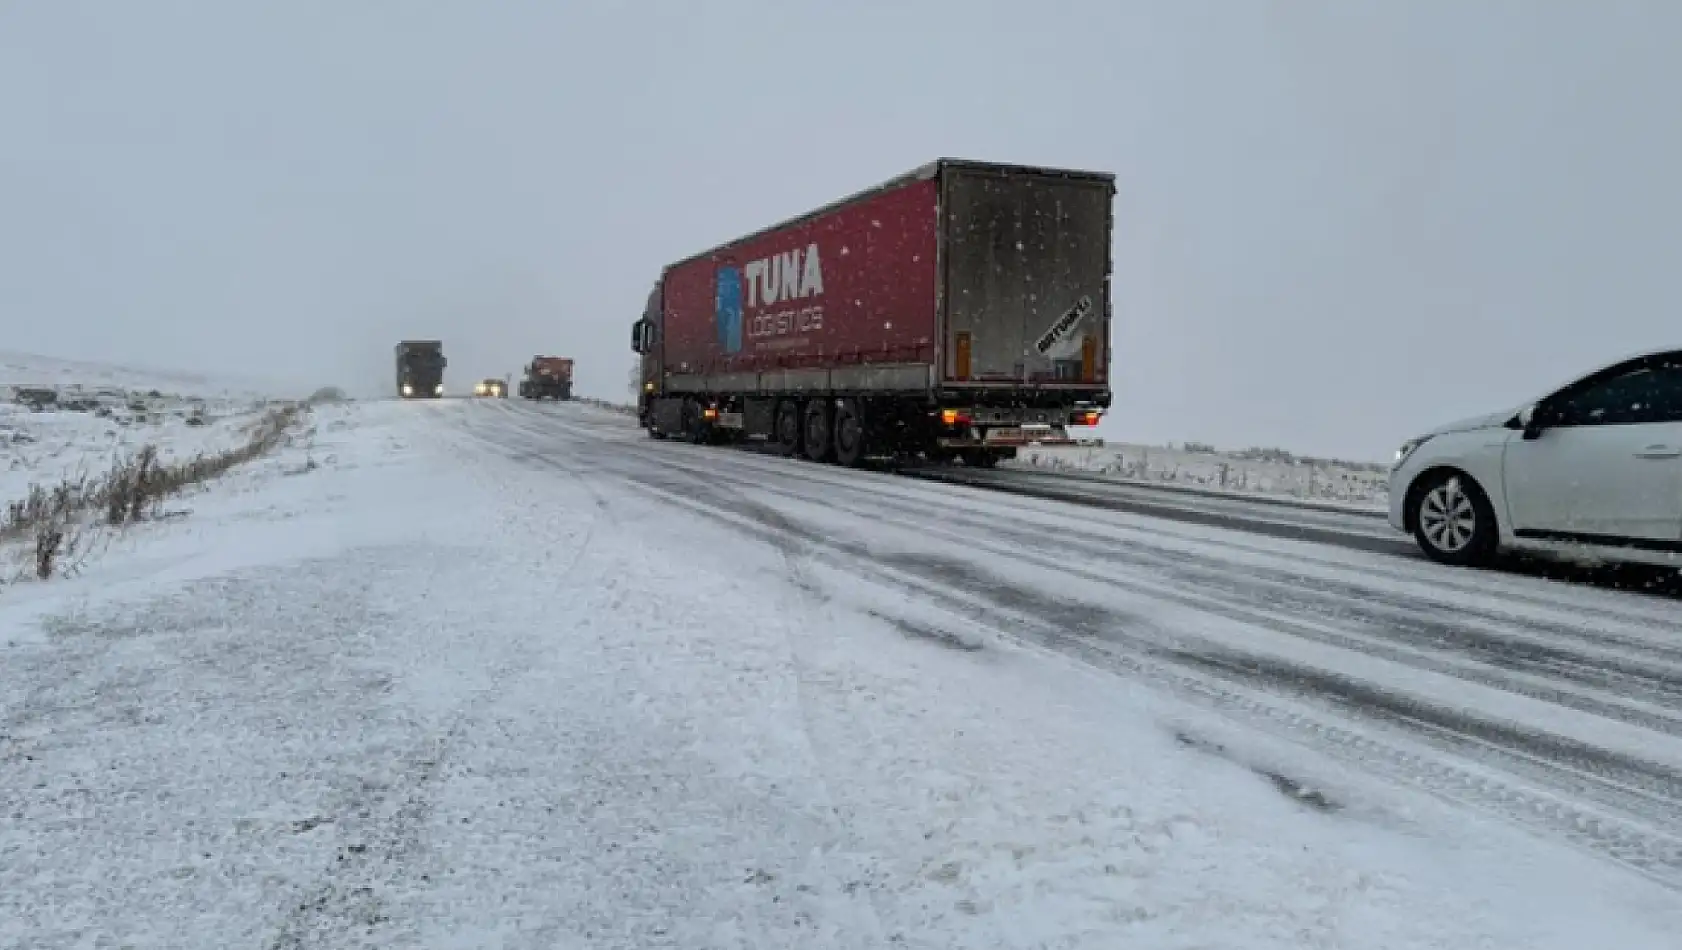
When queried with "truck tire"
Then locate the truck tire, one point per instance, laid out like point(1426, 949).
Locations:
point(819, 444)
point(850, 441)
point(789, 427)
point(691, 416)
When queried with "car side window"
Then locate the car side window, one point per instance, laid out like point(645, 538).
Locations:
point(1646, 394)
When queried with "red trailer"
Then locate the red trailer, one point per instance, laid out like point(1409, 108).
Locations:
point(958, 311)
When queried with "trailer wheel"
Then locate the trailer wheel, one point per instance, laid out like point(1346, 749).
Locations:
point(818, 443)
point(788, 428)
point(690, 417)
point(849, 434)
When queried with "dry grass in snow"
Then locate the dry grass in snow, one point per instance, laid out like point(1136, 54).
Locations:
point(55, 525)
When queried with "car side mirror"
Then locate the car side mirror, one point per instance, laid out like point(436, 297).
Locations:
point(636, 337)
point(1532, 420)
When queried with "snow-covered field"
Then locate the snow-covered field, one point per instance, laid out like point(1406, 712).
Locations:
point(1216, 471)
point(500, 676)
point(96, 414)
point(28, 369)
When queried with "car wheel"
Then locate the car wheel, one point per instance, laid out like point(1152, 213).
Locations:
point(1453, 521)
point(695, 429)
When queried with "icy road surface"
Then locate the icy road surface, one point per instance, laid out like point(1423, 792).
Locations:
point(502, 676)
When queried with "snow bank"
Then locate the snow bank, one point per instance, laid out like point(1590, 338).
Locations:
point(440, 690)
point(1320, 481)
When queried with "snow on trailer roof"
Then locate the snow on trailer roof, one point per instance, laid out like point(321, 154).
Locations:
point(921, 173)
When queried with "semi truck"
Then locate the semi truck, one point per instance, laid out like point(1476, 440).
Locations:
point(547, 377)
point(420, 369)
point(957, 313)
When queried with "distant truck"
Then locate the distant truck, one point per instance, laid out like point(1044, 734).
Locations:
point(547, 377)
point(420, 369)
point(957, 312)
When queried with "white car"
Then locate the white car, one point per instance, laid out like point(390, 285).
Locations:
point(1590, 472)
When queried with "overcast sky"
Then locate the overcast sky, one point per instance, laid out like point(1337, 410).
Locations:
point(1337, 222)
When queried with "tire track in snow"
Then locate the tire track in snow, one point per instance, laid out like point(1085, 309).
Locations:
point(875, 491)
point(1220, 592)
point(1091, 634)
point(1517, 664)
point(1639, 788)
point(1507, 644)
point(1626, 607)
point(1661, 647)
point(1538, 666)
point(1100, 636)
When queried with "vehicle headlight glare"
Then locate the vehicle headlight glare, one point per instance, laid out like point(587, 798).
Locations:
point(1409, 447)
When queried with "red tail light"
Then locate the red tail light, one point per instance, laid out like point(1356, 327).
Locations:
point(955, 417)
point(1087, 418)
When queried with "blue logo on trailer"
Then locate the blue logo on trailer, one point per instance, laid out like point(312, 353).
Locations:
point(727, 309)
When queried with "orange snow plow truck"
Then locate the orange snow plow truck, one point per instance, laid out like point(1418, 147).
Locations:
point(547, 377)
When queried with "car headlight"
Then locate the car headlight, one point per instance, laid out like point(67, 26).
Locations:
point(1409, 447)
point(408, 390)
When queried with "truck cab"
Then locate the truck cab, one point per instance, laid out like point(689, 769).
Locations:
point(547, 377)
point(420, 369)
point(645, 338)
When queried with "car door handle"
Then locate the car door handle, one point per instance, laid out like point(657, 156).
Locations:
point(1659, 452)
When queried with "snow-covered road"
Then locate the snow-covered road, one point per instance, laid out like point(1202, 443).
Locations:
point(497, 675)
point(1555, 706)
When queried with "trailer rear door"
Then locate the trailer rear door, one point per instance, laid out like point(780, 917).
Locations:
point(1027, 266)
